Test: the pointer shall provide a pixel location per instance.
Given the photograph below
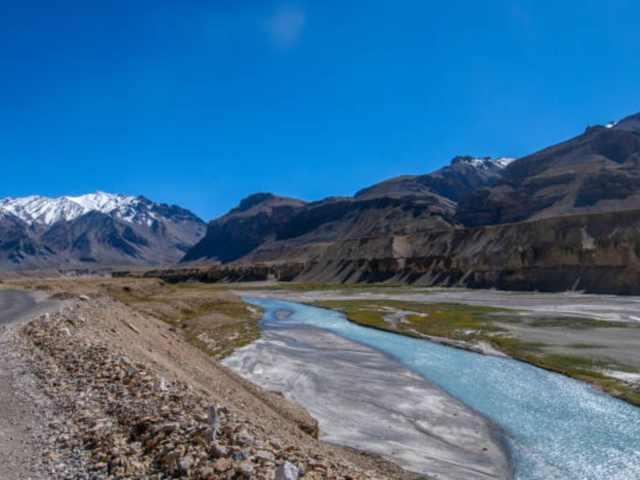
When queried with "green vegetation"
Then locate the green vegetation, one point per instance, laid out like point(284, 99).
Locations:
point(449, 320)
point(214, 321)
point(578, 323)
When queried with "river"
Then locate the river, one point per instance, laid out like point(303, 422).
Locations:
point(552, 427)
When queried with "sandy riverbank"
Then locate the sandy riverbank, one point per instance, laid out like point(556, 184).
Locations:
point(593, 338)
point(365, 400)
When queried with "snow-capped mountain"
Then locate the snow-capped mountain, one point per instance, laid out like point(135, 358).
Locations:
point(463, 175)
point(39, 210)
point(97, 228)
point(484, 162)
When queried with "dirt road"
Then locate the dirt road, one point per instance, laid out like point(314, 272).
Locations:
point(19, 415)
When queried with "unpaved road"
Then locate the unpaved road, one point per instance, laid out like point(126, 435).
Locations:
point(19, 417)
point(16, 305)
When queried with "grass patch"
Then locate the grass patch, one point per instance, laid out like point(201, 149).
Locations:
point(216, 322)
point(578, 323)
point(510, 344)
point(450, 320)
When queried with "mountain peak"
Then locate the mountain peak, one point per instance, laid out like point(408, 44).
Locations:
point(630, 123)
point(102, 202)
point(264, 200)
point(255, 199)
point(482, 162)
point(97, 227)
point(37, 210)
point(40, 210)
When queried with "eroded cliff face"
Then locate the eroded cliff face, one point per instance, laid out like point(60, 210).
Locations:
point(593, 253)
point(597, 253)
point(283, 272)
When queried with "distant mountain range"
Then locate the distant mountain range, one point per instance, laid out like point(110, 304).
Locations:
point(565, 217)
point(92, 230)
point(266, 227)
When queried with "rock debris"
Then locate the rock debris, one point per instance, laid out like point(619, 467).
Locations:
point(116, 418)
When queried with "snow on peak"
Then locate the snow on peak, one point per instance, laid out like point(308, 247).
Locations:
point(610, 124)
point(483, 162)
point(40, 210)
point(102, 202)
point(504, 161)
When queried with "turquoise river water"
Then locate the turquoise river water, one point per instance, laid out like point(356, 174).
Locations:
point(555, 427)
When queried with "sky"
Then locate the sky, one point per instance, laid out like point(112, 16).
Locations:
point(201, 103)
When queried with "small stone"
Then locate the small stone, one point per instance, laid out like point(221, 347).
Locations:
point(168, 427)
point(245, 468)
point(264, 455)
point(186, 462)
point(244, 438)
point(207, 473)
point(222, 464)
point(276, 444)
point(219, 451)
point(241, 455)
point(286, 471)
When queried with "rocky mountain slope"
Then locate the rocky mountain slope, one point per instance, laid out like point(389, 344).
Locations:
point(465, 174)
point(598, 171)
point(563, 218)
point(93, 229)
point(596, 253)
point(245, 227)
point(265, 227)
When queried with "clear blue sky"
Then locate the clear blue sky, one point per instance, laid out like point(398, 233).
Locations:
point(201, 103)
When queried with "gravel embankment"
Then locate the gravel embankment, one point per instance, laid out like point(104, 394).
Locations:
point(118, 409)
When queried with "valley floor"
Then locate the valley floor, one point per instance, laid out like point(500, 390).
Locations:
point(156, 347)
point(593, 338)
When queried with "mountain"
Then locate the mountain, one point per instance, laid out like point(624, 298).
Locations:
point(93, 229)
point(465, 174)
point(244, 228)
point(596, 172)
point(266, 227)
point(564, 218)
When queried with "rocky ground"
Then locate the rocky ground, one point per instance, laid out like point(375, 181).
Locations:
point(24, 412)
point(116, 393)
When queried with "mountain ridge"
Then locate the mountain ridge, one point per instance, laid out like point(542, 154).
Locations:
point(95, 229)
point(265, 226)
point(596, 171)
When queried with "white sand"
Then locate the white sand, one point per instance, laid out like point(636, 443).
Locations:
point(365, 400)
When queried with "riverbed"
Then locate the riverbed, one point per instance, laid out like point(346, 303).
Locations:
point(552, 427)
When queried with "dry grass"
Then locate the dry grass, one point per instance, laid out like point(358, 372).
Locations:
point(217, 322)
